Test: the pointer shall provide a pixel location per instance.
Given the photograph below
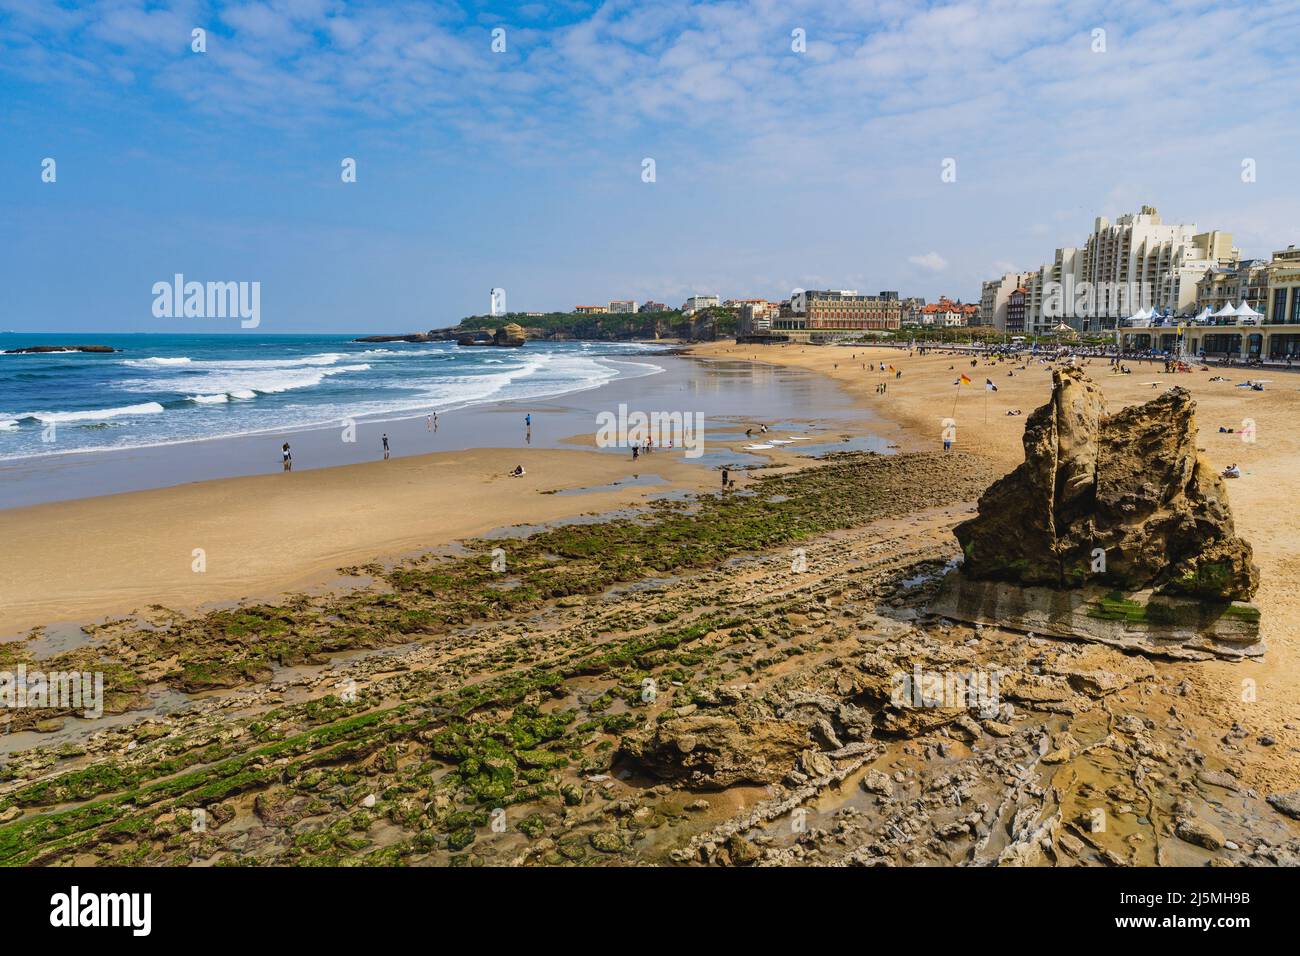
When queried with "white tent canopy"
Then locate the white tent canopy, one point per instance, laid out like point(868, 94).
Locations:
point(1226, 312)
point(1204, 314)
point(1246, 312)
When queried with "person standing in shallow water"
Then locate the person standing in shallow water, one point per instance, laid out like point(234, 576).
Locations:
point(385, 446)
point(286, 457)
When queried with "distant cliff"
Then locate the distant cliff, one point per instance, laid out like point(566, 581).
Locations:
point(705, 325)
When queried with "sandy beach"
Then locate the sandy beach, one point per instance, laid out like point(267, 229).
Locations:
point(272, 533)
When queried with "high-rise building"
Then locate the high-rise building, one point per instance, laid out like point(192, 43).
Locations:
point(1137, 262)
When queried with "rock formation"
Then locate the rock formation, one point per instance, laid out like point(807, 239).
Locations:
point(1118, 507)
point(510, 334)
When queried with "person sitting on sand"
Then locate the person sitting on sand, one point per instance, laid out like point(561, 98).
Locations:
point(518, 472)
point(1232, 471)
point(1223, 430)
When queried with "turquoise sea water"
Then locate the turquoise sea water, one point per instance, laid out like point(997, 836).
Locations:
point(166, 388)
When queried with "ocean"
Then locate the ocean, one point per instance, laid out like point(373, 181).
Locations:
point(162, 389)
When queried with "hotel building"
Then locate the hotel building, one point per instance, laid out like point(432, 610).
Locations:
point(846, 311)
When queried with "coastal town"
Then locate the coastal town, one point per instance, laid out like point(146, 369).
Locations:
point(1137, 284)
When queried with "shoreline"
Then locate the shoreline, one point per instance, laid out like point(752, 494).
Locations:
point(86, 558)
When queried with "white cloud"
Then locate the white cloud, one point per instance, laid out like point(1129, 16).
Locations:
point(931, 260)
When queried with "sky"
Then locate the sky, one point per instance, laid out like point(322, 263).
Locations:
point(794, 145)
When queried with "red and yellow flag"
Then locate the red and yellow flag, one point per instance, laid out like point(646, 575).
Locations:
point(965, 379)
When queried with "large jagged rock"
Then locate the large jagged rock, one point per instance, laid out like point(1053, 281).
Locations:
point(1113, 528)
point(509, 335)
point(1129, 484)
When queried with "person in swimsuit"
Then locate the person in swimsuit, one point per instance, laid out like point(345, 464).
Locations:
point(385, 446)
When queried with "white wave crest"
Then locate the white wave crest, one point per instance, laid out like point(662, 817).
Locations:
point(96, 415)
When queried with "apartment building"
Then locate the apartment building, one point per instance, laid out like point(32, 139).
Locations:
point(1247, 281)
point(995, 297)
point(622, 306)
point(697, 302)
point(1137, 262)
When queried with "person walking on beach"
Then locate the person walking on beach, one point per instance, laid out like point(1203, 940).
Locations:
point(428, 424)
point(725, 476)
point(636, 451)
point(286, 456)
point(385, 446)
point(435, 421)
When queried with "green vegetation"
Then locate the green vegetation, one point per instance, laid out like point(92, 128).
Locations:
point(450, 750)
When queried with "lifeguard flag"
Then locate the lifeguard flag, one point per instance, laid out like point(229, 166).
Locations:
point(892, 369)
point(964, 379)
point(988, 383)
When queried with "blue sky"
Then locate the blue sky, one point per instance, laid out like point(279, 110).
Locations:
point(775, 169)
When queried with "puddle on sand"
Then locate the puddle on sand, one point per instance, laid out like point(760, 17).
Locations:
point(55, 639)
point(634, 481)
point(861, 443)
point(731, 458)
